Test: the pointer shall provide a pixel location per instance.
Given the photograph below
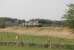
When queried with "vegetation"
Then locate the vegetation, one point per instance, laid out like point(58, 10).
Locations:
point(69, 16)
point(27, 48)
point(8, 22)
point(35, 42)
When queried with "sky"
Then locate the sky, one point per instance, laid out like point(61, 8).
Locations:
point(32, 9)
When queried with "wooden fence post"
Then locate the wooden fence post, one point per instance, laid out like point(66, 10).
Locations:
point(50, 43)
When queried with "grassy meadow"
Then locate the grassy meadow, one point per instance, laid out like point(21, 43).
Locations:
point(28, 48)
point(10, 36)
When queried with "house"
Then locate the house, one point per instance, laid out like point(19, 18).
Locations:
point(42, 23)
point(33, 22)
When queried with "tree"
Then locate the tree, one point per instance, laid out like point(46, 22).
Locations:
point(2, 23)
point(69, 16)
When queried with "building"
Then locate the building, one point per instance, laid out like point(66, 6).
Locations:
point(32, 23)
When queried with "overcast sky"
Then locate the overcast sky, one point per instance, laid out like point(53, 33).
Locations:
point(28, 9)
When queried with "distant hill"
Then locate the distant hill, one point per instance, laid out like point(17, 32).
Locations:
point(46, 22)
point(5, 21)
point(8, 22)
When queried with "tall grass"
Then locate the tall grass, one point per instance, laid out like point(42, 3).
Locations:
point(67, 44)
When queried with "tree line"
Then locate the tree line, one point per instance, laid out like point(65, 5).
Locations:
point(8, 22)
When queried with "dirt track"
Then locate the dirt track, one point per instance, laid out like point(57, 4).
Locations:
point(49, 31)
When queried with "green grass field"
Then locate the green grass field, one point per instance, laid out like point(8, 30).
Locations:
point(34, 39)
point(27, 48)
